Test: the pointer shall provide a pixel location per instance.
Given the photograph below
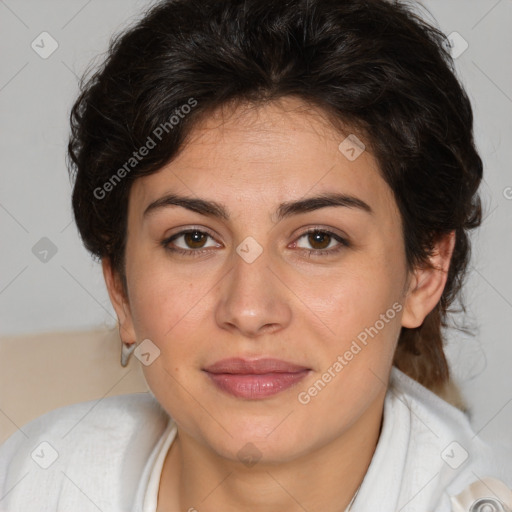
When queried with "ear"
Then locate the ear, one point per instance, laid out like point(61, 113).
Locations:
point(426, 285)
point(119, 301)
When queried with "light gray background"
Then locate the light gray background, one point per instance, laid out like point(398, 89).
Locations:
point(67, 292)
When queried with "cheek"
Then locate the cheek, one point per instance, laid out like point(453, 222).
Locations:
point(363, 313)
point(161, 298)
point(364, 319)
point(356, 300)
point(162, 307)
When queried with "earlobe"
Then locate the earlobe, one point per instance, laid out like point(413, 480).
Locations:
point(119, 301)
point(427, 283)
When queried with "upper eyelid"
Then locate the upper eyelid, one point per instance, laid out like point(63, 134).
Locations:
point(189, 230)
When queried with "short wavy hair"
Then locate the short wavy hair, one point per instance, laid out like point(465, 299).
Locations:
point(373, 65)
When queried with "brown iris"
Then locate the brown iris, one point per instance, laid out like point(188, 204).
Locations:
point(318, 237)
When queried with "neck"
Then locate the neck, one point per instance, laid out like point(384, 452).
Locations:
point(325, 479)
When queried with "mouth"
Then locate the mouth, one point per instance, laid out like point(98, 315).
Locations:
point(256, 379)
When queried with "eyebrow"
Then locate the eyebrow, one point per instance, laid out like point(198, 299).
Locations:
point(286, 209)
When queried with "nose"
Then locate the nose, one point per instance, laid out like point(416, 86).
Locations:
point(253, 301)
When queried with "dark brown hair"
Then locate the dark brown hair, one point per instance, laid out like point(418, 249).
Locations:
point(373, 65)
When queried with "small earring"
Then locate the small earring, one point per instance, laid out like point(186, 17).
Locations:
point(126, 352)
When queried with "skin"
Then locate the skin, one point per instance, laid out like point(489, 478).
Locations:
point(306, 310)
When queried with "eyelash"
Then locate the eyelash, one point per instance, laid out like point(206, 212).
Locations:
point(343, 243)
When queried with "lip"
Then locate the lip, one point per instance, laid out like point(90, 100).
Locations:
point(241, 366)
point(255, 379)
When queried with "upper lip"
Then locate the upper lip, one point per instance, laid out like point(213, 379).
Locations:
point(239, 365)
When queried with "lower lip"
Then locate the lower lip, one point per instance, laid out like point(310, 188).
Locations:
point(255, 386)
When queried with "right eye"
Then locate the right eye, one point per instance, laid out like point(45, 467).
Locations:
point(193, 240)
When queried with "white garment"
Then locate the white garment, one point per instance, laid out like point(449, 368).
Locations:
point(111, 452)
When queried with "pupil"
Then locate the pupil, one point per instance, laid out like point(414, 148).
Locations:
point(195, 237)
point(319, 237)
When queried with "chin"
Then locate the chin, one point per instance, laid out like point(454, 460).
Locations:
point(259, 441)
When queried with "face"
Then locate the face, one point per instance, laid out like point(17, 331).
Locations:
point(321, 288)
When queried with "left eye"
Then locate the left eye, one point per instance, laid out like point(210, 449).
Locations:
point(321, 241)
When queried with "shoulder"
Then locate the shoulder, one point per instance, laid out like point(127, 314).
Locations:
point(444, 449)
point(91, 446)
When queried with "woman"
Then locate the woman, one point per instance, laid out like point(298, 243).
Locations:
point(280, 194)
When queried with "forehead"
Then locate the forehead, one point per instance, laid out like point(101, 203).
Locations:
point(264, 154)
